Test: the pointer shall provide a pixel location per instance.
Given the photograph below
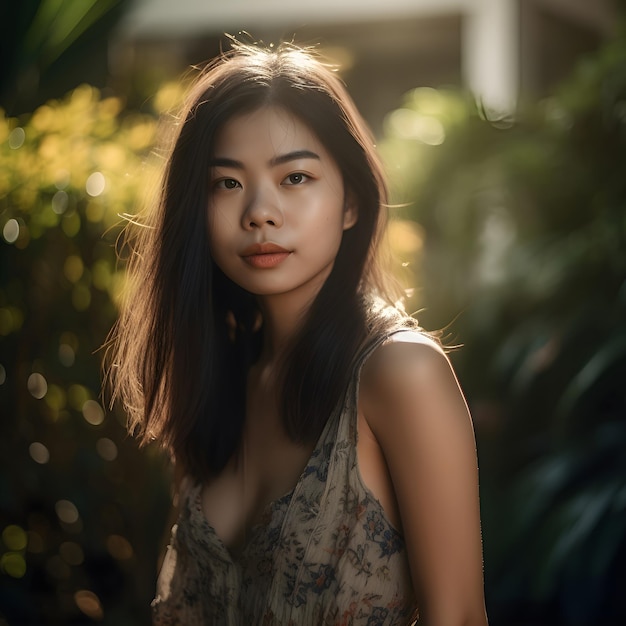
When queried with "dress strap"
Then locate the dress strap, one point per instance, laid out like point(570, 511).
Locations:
point(346, 431)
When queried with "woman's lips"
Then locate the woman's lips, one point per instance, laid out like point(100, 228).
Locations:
point(266, 261)
point(265, 255)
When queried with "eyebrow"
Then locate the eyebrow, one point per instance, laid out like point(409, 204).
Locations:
point(277, 160)
point(294, 156)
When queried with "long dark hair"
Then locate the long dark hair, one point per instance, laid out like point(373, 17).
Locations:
point(186, 336)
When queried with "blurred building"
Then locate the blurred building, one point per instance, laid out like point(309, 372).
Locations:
point(501, 49)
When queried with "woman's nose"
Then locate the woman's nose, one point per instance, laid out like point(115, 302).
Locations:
point(263, 210)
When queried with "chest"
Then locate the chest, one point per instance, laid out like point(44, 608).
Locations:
point(324, 554)
point(266, 467)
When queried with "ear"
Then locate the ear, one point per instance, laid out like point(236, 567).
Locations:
point(350, 211)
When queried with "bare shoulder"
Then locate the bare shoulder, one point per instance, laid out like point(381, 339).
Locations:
point(406, 358)
point(412, 403)
point(409, 374)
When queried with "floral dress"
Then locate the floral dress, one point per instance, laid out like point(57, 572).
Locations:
point(323, 554)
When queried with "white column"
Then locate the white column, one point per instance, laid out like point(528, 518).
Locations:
point(490, 52)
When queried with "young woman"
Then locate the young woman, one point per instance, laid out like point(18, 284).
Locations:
point(325, 454)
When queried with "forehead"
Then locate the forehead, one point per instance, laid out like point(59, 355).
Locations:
point(269, 130)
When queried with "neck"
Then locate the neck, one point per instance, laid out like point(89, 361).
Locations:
point(282, 318)
point(284, 313)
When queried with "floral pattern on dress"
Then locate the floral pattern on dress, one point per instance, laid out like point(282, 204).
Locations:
point(377, 531)
point(324, 554)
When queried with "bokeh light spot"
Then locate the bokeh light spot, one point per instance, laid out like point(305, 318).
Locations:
point(11, 231)
point(409, 124)
point(71, 553)
point(81, 297)
point(37, 385)
point(168, 97)
point(106, 449)
point(70, 339)
point(14, 564)
point(119, 547)
point(71, 224)
point(39, 453)
point(66, 511)
point(73, 268)
point(95, 184)
point(67, 356)
point(78, 395)
point(89, 603)
point(60, 200)
point(101, 275)
point(3, 374)
point(11, 318)
point(56, 398)
point(62, 179)
point(17, 138)
point(93, 413)
point(14, 537)
point(95, 212)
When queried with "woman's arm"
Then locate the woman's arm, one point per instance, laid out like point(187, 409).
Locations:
point(414, 406)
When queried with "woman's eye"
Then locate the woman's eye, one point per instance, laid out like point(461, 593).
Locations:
point(226, 183)
point(296, 179)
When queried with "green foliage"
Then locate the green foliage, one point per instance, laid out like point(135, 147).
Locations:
point(50, 46)
point(525, 249)
point(81, 509)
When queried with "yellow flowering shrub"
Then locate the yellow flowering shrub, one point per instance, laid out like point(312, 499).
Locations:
point(68, 172)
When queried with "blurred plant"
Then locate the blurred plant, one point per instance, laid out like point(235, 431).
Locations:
point(525, 252)
point(81, 510)
point(50, 46)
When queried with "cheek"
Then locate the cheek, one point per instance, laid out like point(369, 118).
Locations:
point(220, 225)
point(325, 236)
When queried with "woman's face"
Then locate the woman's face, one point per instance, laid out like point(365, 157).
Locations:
point(277, 205)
